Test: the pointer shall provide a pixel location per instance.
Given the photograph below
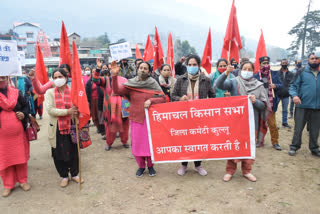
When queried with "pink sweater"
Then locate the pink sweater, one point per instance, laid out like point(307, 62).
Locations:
point(39, 88)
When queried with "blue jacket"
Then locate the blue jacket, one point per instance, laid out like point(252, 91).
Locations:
point(307, 88)
point(275, 80)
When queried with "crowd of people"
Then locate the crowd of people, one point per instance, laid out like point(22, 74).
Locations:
point(108, 86)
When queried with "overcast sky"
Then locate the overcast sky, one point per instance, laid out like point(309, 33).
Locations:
point(275, 17)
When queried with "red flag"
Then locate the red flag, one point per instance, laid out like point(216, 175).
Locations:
point(65, 54)
point(138, 53)
point(78, 93)
point(232, 40)
point(157, 52)
point(148, 51)
point(207, 54)
point(170, 56)
point(261, 51)
point(41, 72)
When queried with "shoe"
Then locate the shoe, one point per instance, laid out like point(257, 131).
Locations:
point(290, 116)
point(77, 179)
point(227, 177)
point(107, 148)
point(25, 186)
point(152, 172)
point(201, 170)
point(250, 177)
point(317, 153)
point(126, 146)
point(104, 137)
point(182, 170)
point(6, 192)
point(277, 147)
point(40, 117)
point(140, 172)
point(64, 183)
point(286, 125)
point(292, 152)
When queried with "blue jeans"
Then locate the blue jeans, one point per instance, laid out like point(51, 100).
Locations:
point(285, 103)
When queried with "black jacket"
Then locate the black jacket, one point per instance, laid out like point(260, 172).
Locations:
point(89, 94)
point(180, 68)
point(286, 80)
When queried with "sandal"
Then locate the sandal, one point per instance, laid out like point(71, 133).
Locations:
point(25, 186)
point(227, 177)
point(250, 177)
point(6, 192)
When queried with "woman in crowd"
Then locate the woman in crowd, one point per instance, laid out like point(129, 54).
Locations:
point(59, 107)
point(14, 146)
point(95, 100)
point(112, 113)
point(243, 85)
point(166, 81)
point(87, 75)
point(143, 91)
point(221, 67)
point(193, 85)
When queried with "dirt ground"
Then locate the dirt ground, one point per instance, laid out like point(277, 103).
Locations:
point(285, 184)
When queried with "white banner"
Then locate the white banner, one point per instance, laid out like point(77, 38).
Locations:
point(9, 62)
point(120, 51)
point(22, 58)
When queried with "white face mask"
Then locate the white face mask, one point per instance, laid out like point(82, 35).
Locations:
point(87, 73)
point(246, 74)
point(59, 82)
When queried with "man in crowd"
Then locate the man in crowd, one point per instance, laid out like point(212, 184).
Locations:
point(305, 92)
point(126, 70)
point(272, 83)
point(283, 94)
point(297, 69)
point(179, 67)
point(235, 65)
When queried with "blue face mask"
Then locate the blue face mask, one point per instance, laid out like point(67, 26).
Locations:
point(192, 70)
point(246, 74)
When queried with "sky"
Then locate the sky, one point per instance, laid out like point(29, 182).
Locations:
point(123, 17)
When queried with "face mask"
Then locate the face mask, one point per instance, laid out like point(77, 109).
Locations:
point(59, 82)
point(88, 72)
point(246, 74)
point(3, 84)
point(192, 70)
point(284, 67)
point(299, 65)
point(221, 70)
point(313, 65)
point(143, 75)
point(235, 66)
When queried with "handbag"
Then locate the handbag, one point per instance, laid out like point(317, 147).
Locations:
point(31, 132)
point(84, 137)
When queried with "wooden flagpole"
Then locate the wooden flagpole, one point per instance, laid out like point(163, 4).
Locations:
point(271, 83)
point(229, 51)
point(79, 155)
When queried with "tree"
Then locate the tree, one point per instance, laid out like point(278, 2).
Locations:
point(121, 40)
point(307, 33)
point(182, 49)
point(104, 40)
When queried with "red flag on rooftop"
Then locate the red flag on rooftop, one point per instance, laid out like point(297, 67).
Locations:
point(148, 51)
point(138, 53)
point(65, 54)
point(170, 56)
point(78, 93)
point(232, 40)
point(207, 54)
point(261, 51)
point(41, 72)
point(157, 52)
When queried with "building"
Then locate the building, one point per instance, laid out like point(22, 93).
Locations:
point(27, 37)
point(9, 36)
point(74, 37)
point(42, 39)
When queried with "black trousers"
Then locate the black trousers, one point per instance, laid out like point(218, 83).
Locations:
point(196, 163)
point(64, 167)
point(301, 117)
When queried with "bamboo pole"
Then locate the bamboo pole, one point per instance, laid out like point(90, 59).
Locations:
point(271, 83)
point(79, 155)
point(229, 51)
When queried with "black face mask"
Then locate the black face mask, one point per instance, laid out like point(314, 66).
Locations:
point(313, 65)
point(299, 65)
point(235, 66)
point(284, 67)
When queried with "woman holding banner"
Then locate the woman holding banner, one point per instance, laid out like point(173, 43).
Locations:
point(166, 81)
point(243, 85)
point(143, 91)
point(14, 146)
point(192, 85)
point(112, 113)
point(221, 67)
point(59, 106)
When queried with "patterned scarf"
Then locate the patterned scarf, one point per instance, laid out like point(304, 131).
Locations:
point(63, 102)
point(9, 102)
point(265, 73)
point(193, 94)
